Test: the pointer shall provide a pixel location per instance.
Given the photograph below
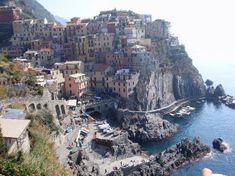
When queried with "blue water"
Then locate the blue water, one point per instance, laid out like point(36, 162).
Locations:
point(208, 121)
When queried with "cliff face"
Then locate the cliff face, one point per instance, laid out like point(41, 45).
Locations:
point(168, 76)
point(30, 8)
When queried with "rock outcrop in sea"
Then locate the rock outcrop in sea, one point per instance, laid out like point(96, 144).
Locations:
point(219, 145)
point(142, 127)
point(219, 91)
point(164, 163)
point(212, 92)
point(147, 127)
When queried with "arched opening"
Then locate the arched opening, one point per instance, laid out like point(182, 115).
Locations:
point(57, 109)
point(31, 108)
point(62, 109)
point(45, 106)
point(52, 96)
point(96, 114)
point(88, 110)
point(39, 106)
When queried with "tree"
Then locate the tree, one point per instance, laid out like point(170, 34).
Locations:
point(3, 58)
point(30, 80)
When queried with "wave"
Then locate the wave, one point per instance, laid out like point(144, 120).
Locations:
point(210, 155)
point(229, 149)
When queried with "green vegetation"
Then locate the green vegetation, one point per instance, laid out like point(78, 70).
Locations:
point(10, 71)
point(3, 92)
point(30, 80)
point(3, 147)
point(46, 119)
point(3, 58)
point(41, 161)
point(16, 105)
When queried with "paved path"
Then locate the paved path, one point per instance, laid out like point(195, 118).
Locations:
point(167, 109)
point(62, 151)
point(107, 166)
point(175, 103)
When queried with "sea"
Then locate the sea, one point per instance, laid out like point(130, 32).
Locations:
point(209, 121)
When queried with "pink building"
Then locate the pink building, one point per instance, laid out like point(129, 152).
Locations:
point(76, 85)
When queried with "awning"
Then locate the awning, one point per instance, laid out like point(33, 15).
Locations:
point(72, 102)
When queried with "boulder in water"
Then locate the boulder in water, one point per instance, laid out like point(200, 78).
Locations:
point(218, 145)
point(219, 91)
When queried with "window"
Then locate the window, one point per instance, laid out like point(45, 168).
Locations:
point(70, 85)
point(124, 90)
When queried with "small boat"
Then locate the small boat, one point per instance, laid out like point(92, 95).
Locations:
point(190, 108)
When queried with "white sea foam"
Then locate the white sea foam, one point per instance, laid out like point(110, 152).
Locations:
point(210, 155)
point(229, 149)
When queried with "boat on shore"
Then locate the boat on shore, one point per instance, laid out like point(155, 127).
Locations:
point(184, 111)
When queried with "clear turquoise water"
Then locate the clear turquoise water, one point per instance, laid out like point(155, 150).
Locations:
point(208, 121)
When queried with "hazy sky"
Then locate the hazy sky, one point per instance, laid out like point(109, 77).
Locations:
point(206, 27)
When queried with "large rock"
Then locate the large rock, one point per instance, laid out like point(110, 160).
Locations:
point(146, 127)
point(210, 92)
point(209, 82)
point(218, 145)
point(120, 146)
point(219, 91)
point(164, 163)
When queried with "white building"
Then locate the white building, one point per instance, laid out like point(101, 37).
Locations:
point(15, 135)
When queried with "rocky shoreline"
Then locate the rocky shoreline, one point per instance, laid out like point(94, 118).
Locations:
point(228, 100)
point(146, 127)
point(164, 163)
point(219, 94)
point(137, 128)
